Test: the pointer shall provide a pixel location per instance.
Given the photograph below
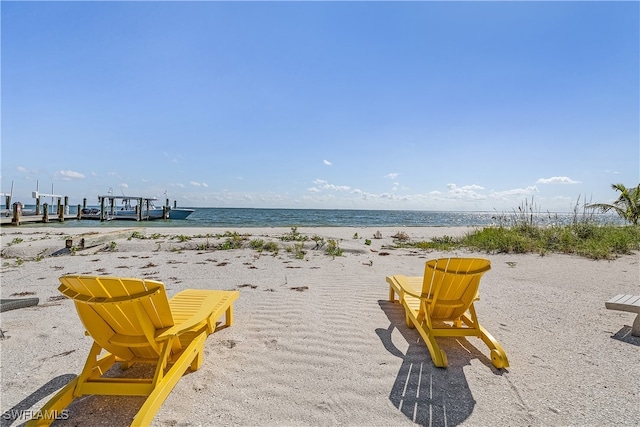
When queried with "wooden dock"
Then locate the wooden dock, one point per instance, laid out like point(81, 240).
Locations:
point(33, 219)
point(60, 213)
point(13, 214)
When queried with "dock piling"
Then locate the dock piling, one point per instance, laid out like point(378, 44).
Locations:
point(17, 211)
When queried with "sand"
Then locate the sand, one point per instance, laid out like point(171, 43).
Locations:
point(315, 341)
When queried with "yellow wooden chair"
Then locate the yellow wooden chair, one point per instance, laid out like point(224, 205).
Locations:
point(134, 322)
point(441, 304)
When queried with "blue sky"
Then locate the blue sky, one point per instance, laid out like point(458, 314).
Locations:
point(366, 105)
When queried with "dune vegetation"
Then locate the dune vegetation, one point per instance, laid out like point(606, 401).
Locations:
point(523, 232)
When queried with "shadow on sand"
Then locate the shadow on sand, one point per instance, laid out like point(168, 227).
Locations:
point(425, 394)
point(20, 409)
point(93, 410)
point(624, 335)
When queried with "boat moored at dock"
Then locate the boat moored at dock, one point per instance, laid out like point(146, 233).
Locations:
point(180, 213)
point(123, 208)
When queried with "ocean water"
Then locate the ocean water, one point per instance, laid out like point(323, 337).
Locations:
point(247, 217)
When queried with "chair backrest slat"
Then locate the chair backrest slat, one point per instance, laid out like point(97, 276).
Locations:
point(451, 284)
point(112, 305)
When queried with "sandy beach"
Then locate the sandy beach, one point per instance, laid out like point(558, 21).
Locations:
point(315, 340)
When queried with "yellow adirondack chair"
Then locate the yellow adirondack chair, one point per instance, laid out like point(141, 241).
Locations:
point(134, 322)
point(441, 304)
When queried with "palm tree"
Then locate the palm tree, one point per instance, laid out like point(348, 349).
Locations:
point(627, 205)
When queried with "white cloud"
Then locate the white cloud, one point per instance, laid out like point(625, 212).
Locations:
point(123, 185)
point(515, 192)
point(195, 183)
point(28, 171)
point(68, 175)
point(465, 187)
point(180, 185)
point(321, 184)
point(392, 175)
point(327, 162)
point(557, 180)
point(467, 192)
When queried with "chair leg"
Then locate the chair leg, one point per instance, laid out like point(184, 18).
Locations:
point(229, 316)
point(438, 356)
point(197, 361)
point(408, 319)
point(635, 328)
point(164, 386)
point(94, 367)
point(424, 327)
point(498, 355)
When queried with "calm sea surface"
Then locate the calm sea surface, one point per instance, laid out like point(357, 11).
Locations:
point(245, 217)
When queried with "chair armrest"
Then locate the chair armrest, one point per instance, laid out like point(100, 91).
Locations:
point(406, 285)
point(207, 308)
point(413, 294)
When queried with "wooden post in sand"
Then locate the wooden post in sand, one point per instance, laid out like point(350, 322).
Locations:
point(17, 211)
point(60, 210)
point(45, 213)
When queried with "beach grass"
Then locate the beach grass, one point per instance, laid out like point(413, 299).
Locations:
point(522, 232)
point(591, 241)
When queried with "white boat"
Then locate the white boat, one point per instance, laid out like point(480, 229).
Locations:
point(180, 213)
point(144, 209)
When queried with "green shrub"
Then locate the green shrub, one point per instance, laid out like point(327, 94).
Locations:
point(319, 241)
point(137, 235)
point(294, 236)
point(297, 250)
point(333, 248)
point(271, 247)
point(257, 244)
